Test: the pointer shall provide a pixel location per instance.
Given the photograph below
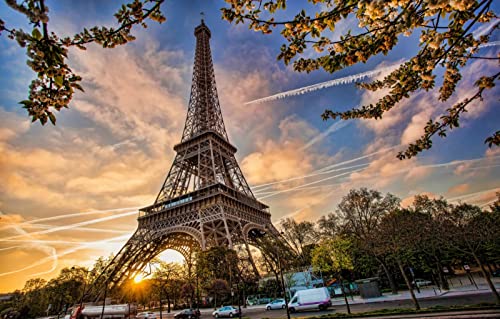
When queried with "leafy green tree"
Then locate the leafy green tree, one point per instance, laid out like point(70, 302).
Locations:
point(300, 236)
point(333, 256)
point(55, 82)
point(35, 301)
point(169, 279)
point(445, 40)
point(361, 211)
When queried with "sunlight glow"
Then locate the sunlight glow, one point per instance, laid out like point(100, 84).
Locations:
point(138, 278)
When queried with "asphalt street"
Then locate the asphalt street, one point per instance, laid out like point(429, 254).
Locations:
point(258, 312)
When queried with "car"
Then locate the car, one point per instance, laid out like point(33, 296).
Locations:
point(421, 282)
point(276, 304)
point(496, 273)
point(226, 311)
point(146, 315)
point(187, 314)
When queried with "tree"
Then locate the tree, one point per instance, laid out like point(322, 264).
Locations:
point(361, 211)
point(433, 242)
point(55, 82)
point(333, 256)
point(168, 276)
point(398, 234)
point(445, 41)
point(299, 235)
point(471, 230)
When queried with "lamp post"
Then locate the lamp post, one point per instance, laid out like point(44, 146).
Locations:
point(260, 233)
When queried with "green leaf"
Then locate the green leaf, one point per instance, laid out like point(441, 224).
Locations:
point(52, 118)
point(77, 86)
point(36, 34)
point(59, 80)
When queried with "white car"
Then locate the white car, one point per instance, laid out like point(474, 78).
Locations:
point(227, 311)
point(276, 304)
point(146, 315)
point(422, 282)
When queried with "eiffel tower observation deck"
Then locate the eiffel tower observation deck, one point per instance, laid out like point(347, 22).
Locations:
point(205, 200)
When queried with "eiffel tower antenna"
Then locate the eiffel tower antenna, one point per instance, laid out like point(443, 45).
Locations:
point(205, 200)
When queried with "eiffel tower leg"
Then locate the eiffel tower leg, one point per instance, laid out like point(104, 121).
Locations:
point(203, 240)
point(228, 234)
point(250, 257)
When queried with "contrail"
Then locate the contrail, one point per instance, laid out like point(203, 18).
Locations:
point(84, 229)
point(307, 206)
point(333, 128)
point(66, 252)
point(324, 85)
point(311, 183)
point(71, 215)
point(457, 198)
point(403, 170)
point(340, 81)
point(482, 30)
point(265, 186)
point(75, 225)
point(49, 250)
point(358, 158)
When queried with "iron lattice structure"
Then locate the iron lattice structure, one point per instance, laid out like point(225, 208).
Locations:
point(205, 200)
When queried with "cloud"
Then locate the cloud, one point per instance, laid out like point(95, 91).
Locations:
point(459, 189)
point(284, 158)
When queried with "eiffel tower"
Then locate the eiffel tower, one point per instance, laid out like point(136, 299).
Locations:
point(205, 200)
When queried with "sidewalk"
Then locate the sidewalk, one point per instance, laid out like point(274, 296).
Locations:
point(427, 292)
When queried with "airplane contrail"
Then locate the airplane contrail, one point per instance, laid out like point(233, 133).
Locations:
point(311, 183)
point(75, 225)
point(324, 85)
point(70, 215)
point(49, 250)
point(333, 128)
point(340, 81)
point(403, 170)
point(267, 185)
point(84, 229)
point(66, 252)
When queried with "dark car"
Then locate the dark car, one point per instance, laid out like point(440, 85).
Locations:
point(496, 273)
point(187, 314)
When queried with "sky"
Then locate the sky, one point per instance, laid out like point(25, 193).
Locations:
point(70, 193)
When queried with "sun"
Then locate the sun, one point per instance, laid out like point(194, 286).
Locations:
point(138, 278)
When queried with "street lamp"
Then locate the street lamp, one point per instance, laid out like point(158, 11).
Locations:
point(260, 233)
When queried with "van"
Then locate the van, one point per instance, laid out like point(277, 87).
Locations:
point(318, 298)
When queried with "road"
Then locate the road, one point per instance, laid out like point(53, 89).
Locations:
point(260, 312)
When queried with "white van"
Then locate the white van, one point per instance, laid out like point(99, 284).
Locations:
point(317, 298)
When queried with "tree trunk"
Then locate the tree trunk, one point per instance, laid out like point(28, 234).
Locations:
point(442, 278)
point(408, 284)
point(488, 279)
point(390, 278)
point(345, 296)
point(168, 300)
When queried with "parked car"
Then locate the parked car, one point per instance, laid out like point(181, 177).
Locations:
point(276, 304)
point(227, 311)
point(496, 273)
point(146, 315)
point(421, 282)
point(187, 314)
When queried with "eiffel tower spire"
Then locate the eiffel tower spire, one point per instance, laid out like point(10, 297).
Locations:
point(205, 156)
point(204, 113)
